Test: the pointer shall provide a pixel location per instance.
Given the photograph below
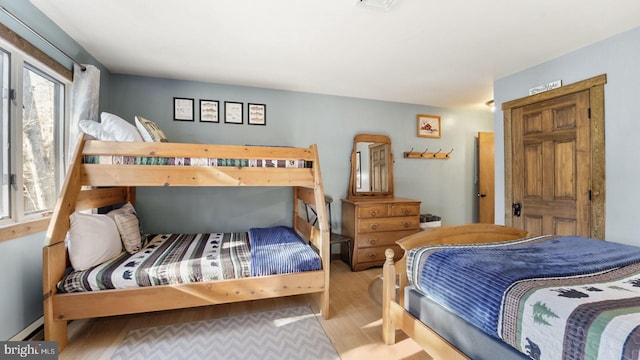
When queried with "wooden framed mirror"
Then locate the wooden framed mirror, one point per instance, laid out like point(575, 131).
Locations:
point(371, 167)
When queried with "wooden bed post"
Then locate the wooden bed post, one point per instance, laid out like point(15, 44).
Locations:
point(325, 250)
point(53, 259)
point(54, 253)
point(388, 295)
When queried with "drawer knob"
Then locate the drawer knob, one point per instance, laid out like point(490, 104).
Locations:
point(373, 213)
point(406, 211)
point(372, 255)
point(372, 241)
point(406, 225)
point(374, 226)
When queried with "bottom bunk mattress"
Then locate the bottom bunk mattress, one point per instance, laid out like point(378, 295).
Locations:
point(169, 259)
point(549, 297)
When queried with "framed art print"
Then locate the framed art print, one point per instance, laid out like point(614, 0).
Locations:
point(233, 112)
point(429, 126)
point(257, 114)
point(182, 109)
point(209, 111)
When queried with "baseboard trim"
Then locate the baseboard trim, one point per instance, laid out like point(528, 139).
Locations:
point(28, 332)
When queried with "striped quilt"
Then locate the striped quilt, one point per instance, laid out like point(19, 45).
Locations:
point(549, 297)
point(170, 259)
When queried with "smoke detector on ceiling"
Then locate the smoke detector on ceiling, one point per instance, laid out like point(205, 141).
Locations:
point(376, 4)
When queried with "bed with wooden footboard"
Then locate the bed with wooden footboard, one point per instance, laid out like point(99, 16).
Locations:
point(171, 271)
point(484, 291)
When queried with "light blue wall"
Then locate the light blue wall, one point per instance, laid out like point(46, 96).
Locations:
point(21, 259)
point(21, 281)
point(618, 57)
point(445, 187)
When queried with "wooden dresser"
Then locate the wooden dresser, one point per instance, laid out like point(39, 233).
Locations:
point(375, 225)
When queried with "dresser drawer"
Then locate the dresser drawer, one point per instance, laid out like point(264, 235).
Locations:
point(384, 238)
point(388, 224)
point(377, 254)
point(373, 211)
point(405, 210)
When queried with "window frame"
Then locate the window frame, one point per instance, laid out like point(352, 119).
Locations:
point(19, 224)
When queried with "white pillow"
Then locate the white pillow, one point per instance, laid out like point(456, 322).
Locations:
point(112, 128)
point(93, 239)
point(95, 129)
point(149, 130)
point(119, 128)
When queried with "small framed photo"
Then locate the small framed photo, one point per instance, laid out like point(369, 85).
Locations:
point(209, 111)
point(183, 109)
point(257, 114)
point(233, 112)
point(429, 126)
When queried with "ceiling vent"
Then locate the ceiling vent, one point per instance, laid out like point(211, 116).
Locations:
point(376, 4)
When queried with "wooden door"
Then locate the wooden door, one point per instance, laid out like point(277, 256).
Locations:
point(556, 149)
point(486, 178)
point(552, 166)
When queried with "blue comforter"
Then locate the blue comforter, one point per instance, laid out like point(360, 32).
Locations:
point(471, 280)
point(280, 250)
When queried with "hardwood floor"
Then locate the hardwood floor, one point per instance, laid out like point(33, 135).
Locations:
point(354, 326)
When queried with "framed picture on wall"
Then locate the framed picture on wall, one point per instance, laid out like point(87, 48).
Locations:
point(429, 126)
point(182, 109)
point(257, 114)
point(233, 112)
point(209, 111)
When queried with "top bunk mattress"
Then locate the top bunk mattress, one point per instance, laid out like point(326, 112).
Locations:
point(169, 259)
point(193, 161)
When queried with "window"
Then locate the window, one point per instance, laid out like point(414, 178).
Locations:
point(33, 118)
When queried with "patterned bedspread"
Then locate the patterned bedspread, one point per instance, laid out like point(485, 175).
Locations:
point(187, 161)
point(549, 297)
point(185, 258)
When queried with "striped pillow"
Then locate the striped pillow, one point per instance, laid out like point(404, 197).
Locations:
point(129, 229)
point(149, 130)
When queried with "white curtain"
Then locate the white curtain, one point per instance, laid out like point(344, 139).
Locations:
point(85, 95)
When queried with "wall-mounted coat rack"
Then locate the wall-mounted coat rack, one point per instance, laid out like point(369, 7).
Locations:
point(439, 155)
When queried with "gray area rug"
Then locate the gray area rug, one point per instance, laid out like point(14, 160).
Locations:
point(292, 333)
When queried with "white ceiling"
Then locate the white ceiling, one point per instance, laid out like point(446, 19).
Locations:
point(430, 52)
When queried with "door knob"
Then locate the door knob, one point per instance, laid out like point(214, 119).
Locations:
point(517, 208)
point(481, 195)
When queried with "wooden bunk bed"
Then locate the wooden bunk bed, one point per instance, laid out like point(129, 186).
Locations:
point(588, 286)
point(92, 186)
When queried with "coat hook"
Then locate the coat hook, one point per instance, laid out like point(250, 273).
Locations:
point(425, 150)
point(436, 153)
point(447, 155)
point(411, 150)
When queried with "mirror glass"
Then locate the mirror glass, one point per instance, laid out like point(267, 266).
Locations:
point(372, 166)
point(372, 172)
